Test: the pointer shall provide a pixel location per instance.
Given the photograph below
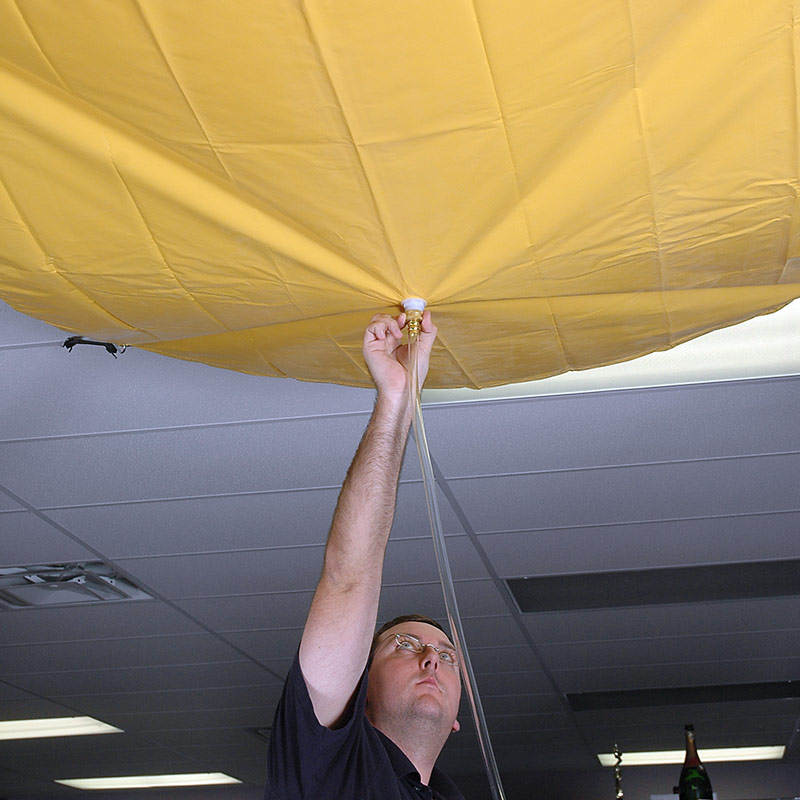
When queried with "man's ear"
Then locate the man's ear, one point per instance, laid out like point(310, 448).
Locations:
point(456, 727)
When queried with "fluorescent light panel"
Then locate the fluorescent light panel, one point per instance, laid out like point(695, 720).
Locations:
point(151, 781)
point(706, 756)
point(764, 347)
point(53, 726)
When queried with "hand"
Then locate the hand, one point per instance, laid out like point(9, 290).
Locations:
point(387, 357)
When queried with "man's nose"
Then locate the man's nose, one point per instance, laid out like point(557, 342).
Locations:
point(429, 657)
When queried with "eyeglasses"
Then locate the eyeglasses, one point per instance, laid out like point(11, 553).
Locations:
point(405, 641)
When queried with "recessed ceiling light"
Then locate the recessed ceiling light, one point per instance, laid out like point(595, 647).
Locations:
point(706, 756)
point(53, 726)
point(150, 781)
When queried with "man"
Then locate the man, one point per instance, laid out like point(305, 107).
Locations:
point(337, 734)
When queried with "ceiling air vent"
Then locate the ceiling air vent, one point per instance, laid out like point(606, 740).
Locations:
point(63, 584)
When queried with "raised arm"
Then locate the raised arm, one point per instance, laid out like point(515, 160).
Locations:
point(338, 632)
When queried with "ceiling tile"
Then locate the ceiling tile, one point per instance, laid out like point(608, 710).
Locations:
point(474, 598)
point(244, 571)
point(267, 644)
point(690, 673)
point(30, 540)
point(183, 463)
point(108, 620)
point(109, 653)
point(591, 549)
point(667, 621)
point(7, 504)
point(410, 560)
point(139, 679)
point(634, 494)
point(145, 390)
point(250, 611)
point(607, 428)
point(102, 705)
point(208, 524)
point(250, 717)
point(674, 650)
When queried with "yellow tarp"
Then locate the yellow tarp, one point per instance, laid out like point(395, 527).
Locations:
point(245, 183)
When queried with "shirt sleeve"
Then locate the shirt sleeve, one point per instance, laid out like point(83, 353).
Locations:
point(305, 757)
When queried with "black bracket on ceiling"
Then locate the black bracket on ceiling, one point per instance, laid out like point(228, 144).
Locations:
point(109, 346)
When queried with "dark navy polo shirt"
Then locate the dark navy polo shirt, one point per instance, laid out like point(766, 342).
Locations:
point(308, 761)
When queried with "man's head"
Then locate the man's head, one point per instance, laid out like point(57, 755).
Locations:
point(410, 688)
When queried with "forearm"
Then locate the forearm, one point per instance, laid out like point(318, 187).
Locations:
point(365, 510)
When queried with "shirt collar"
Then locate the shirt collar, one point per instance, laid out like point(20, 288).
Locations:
point(402, 766)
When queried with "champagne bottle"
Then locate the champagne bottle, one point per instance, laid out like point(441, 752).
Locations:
point(694, 783)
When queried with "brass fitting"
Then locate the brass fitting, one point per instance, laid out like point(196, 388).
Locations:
point(413, 306)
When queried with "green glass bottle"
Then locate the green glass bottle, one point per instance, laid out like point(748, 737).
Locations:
point(694, 783)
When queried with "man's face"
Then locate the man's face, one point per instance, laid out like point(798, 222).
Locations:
point(408, 686)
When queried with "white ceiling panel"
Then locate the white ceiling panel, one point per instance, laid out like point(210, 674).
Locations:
point(600, 677)
point(411, 560)
point(267, 644)
point(527, 703)
point(6, 503)
point(250, 611)
point(35, 708)
point(742, 714)
point(242, 571)
point(210, 524)
point(143, 651)
point(145, 721)
point(474, 598)
point(9, 692)
point(610, 624)
point(749, 537)
point(183, 463)
point(144, 390)
point(51, 681)
point(674, 650)
point(36, 541)
point(102, 705)
point(16, 328)
point(107, 620)
point(492, 631)
point(516, 658)
point(573, 431)
point(632, 494)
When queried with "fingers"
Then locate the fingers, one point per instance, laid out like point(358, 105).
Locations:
point(383, 325)
point(427, 324)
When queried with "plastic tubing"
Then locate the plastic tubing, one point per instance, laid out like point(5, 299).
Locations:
point(445, 574)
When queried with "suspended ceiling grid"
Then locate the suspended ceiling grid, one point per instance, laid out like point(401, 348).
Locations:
point(213, 491)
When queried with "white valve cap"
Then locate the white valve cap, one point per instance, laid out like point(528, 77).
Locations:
point(414, 304)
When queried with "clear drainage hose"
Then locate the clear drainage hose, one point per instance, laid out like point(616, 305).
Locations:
point(413, 316)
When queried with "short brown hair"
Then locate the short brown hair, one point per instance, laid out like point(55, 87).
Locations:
point(396, 621)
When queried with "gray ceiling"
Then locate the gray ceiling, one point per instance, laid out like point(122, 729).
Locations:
point(213, 491)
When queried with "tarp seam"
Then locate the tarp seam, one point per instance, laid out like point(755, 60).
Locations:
point(796, 145)
point(356, 147)
point(51, 262)
point(503, 124)
point(50, 64)
point(464, 371)
point(174, 77)
point(648, 160)
point(258, 352)
point(161, 254)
